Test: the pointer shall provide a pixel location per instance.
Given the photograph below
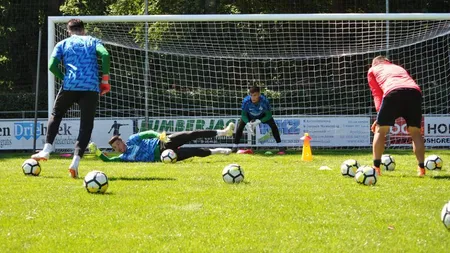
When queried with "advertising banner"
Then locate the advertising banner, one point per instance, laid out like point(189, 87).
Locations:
point(18, 134)
point(398, 134)
point(172, 125)
point(336, 131)
point(437, 131)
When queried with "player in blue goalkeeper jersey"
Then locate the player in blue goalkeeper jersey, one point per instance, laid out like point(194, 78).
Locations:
point(81, 84)
point(147, 146)
point(255, 110)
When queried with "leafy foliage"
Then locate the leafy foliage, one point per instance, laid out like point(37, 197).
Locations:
point(85, 7)
point(19, 30)
point(20, 22)
point(22, 102)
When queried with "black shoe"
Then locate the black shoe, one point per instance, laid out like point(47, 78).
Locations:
point(234, 150)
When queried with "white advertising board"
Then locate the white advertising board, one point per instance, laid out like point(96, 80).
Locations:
point(437, 131)
point(325, 131)
point(18, 134)
point(336, 131)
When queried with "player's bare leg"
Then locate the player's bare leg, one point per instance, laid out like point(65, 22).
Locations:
point(418, 148)
point(379, 139)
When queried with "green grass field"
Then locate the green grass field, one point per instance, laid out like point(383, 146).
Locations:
point(284, 205)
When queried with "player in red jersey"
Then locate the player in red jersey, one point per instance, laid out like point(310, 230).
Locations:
point(396, 95)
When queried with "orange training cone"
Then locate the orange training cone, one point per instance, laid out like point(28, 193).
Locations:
point(306, 151)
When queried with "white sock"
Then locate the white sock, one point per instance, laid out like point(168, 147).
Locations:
point(221, 132)
point(48, 148)
point(75, 162)
point(219, 151)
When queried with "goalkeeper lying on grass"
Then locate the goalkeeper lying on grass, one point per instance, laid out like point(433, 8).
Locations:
point(147, 146)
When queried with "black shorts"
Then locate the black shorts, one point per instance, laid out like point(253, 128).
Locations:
point(406, 103)
point(87, 100)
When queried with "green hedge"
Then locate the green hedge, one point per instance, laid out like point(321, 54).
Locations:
point(21, 102)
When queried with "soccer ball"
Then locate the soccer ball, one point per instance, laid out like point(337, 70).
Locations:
point(349, 167)
point(168, 156)
point(96, 182)
point(31, 167)
point(233, 173)
point(433, 162)
point(445, 215)
point(366, 175)
point(387, 162)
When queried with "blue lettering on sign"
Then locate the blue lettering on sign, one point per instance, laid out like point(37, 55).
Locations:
point(287, 126)
point(25, 130)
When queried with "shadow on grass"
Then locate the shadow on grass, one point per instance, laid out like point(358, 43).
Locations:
point(445, 177)
point(101, 194)
point(414, 176)
point(142, 178)
point(51, 177)
point(273, 154)
point(298, 152)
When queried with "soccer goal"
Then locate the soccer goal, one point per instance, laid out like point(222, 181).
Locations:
point(182, 72)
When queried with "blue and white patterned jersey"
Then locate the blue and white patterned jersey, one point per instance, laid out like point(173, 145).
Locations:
point(140, 150)
point(79, 56)
point(255, 111)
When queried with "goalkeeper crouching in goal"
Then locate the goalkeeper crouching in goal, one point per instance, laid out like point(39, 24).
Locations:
point(147, 146)
point(255, 110)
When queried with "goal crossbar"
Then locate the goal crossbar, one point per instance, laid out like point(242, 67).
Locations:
point(52, 20)
point(257, 17)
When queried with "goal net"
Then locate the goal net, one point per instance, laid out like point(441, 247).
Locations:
point(167, 70)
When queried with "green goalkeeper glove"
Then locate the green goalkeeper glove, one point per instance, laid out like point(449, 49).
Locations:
point(93, 149)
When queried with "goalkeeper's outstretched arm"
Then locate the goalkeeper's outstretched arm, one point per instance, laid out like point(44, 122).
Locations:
point(149, 134)
point(105, 158)
point(93, 149)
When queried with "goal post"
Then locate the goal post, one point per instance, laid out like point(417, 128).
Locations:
point(310, 66)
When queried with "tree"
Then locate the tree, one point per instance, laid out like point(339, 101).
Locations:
point(86, 7)
point(19, 29)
